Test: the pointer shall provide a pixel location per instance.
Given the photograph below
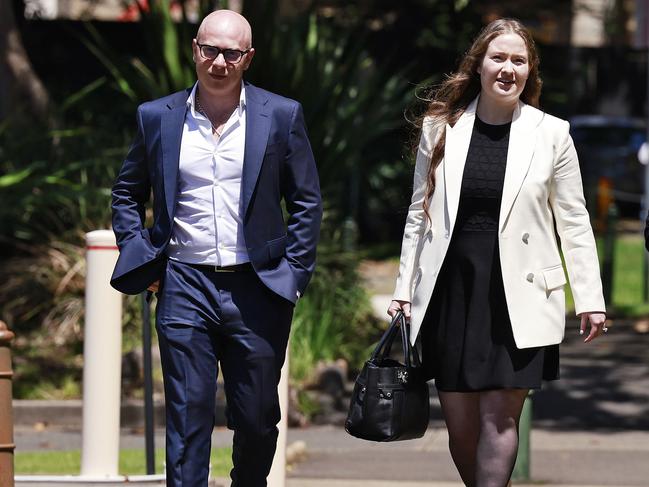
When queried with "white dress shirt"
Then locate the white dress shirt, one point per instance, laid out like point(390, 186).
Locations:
point(208, 228)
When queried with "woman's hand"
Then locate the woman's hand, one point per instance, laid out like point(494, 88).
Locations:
point(399, 305)
point(154, 286)
point(597, 325)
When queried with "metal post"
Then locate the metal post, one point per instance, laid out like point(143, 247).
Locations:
point(522, 467)
point(149, 420)
point(7, 445)
point(277, 475)
point(609, 250)
point(645, 198)
point(102, 358)
point(645, 276)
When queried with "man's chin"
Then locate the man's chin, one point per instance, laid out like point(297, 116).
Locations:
point(219, 83)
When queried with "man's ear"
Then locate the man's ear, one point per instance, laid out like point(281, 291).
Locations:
point(249, 57)
point(194, 48)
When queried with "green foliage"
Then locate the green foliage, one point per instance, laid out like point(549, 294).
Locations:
point(168, 65)
point(353, 105)
point(56, 181)
point(55, 186)
point(42, 299)
point(334, 318)
point(628, 265)
point(131, 462)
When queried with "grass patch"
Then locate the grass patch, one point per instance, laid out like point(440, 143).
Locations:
point(628, 264)
point(131, 462)
point(628, 269)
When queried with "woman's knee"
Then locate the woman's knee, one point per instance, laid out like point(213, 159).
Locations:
point(497, 423)
point(501, 409)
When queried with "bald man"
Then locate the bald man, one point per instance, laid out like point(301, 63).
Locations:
point(219, 158)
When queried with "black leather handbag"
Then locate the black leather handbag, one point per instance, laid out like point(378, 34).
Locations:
point(390, 399)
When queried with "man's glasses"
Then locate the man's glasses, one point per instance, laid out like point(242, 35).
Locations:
point(232, 56)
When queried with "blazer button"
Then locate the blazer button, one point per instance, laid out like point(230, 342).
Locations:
point(530, 277)
point(525, 237)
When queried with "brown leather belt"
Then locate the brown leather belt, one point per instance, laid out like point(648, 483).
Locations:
point(245, 267)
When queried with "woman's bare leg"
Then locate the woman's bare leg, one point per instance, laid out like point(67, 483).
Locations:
point(462, 415)
point(500, 411)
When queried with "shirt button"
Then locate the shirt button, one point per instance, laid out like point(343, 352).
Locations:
point(530, 277)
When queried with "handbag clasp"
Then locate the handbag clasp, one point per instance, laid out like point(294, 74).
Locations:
point(402, 375)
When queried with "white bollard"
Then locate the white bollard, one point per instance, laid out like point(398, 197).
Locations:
point(277, 475)
point(102, 355)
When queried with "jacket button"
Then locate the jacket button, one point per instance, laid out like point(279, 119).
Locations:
point(525, 237)
point(530, 277)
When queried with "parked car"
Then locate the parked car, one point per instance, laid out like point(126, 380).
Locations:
point(608, 148)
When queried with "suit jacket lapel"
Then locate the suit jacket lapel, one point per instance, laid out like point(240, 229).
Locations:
point(455, 152)
point(171, 132)
point(522, 141)
point(257, 130)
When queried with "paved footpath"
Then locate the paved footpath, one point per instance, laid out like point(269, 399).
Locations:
point(590, 429)
point(334, 459)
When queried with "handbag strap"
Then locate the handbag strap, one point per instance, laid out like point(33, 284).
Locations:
point(412, 351)
point(398, 324)
point(385, 343)
point(411, 356)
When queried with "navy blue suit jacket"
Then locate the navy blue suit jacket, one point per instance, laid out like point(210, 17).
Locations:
point(278, 164)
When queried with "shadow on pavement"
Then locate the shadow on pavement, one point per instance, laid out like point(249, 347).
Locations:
point(604, 385)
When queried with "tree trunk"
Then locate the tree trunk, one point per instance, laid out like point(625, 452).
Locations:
point(20, 86)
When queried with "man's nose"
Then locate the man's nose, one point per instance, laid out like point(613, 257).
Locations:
point(220, 60)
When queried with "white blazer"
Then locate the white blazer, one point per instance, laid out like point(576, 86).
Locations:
point(542, 187)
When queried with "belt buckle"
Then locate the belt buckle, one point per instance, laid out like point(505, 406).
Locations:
point(222, 269)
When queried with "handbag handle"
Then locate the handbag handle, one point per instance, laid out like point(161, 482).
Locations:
point(385, 343)
point(384, 346)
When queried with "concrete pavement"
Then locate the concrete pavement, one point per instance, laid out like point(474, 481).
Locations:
point(590, 429)
point(333, 458)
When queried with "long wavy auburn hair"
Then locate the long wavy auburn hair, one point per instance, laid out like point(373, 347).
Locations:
point(449, 100)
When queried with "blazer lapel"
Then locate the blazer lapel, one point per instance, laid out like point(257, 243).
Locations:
point(257, 130)
point(171, 132)
point(522, 142)
point(455, 152)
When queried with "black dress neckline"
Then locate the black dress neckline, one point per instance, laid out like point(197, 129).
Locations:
point(493, 132)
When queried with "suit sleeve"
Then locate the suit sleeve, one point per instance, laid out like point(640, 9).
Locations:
point(416, 219)
point(131, 190)
point(301, 192)
point(573, 225)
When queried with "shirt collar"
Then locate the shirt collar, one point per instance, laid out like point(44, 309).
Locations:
point(191, 100)
point(242, 99)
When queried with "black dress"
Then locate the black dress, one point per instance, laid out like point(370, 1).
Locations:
point(467, 341)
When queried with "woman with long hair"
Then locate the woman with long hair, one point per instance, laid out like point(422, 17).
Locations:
point(480, 276)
